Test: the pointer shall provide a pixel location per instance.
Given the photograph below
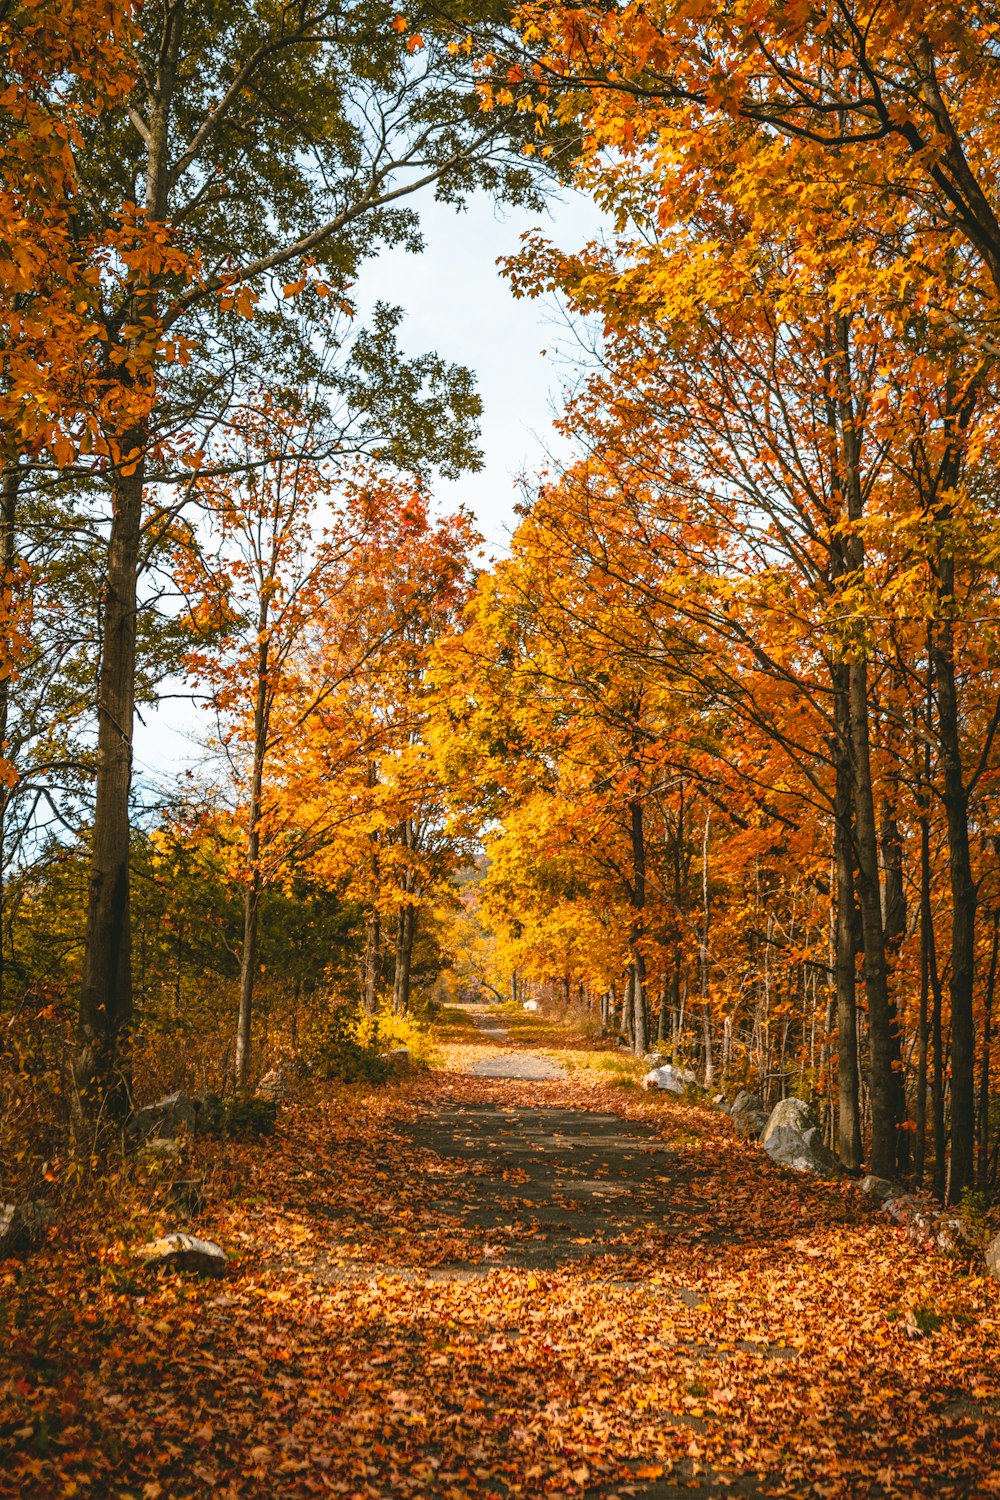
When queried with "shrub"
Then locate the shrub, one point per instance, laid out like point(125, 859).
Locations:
point(249, 1117)
point(345, 1045)
point(974, 1208)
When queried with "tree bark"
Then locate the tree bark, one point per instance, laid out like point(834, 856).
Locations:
point(639, 1027)
point(894, 925)
point(883, 1082)
point(373, 959)
point(251, 902)
point(849, 1116)
point(703, 970)
point(923, 1020)
point(103, 1075)
point(964, 900)
point(984, 1063)
point(883, 1085)
point(8, 567)
point(406, 925)
point(102, 1067)
point(937, 1074)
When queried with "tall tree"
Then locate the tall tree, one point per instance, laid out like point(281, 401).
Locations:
point(254, 140)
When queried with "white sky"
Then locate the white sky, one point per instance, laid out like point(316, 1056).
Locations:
point(457, 304)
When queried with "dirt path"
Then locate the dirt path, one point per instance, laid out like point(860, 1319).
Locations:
point(518, 1064)
point(473, 1284)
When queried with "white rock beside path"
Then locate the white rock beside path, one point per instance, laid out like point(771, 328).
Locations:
point(673, 1080)
point(792, 1137)
point(184, 1252)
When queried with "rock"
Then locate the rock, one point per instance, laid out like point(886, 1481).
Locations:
point(173, 1115)
point(879, 1188)
point(792, 1137)
point(673, 1080)
point(748, 1114)
point(721, 1102)
point(399, 1061)
point(928, 1226)
point(275, 1085)
point(21, 1225)
point(750, 1123)
point(993, 1258)
point(160, 1151)
point(654, 1059)
point(280, 1080)
point(950, 1237)
point(184, 1252)
point(531, 1005)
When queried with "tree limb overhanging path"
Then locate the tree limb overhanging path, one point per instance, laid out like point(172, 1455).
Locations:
point(514, 1275)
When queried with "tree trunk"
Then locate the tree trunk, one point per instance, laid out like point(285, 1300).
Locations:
point(849, 1117)
point(251, 902)
point(937, 1075)
point(102, 1069)
point(248, 971)
point(894, 927)
point(984, 1063)
point(103, 1074)
point(706, 1014)
point(373, 959)
point(640, 1044)
point(638, 893)
point(923, 1023)
point(964, 898)
point(406, 925)
point(884, 1091)
point(849, 565)
point(8, 582)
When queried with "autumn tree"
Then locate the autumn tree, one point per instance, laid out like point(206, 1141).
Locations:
point(250, 143)
point(365, 769)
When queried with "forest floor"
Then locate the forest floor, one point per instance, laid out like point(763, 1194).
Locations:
point(471, 1284)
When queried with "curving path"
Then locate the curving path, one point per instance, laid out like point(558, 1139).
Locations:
point(525, 1065)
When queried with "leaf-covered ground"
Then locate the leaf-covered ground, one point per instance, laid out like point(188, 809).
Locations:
point(456, 1286)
